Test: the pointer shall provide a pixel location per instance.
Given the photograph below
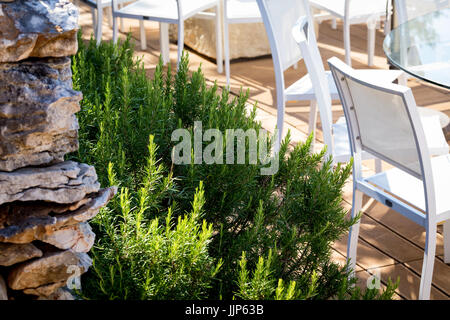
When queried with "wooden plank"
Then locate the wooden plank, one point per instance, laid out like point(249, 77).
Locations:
point(441, 274)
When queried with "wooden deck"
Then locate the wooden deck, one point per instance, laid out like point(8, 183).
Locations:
point(389, 243)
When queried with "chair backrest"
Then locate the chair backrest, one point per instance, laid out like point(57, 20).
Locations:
point(279, 16)
point(303, 33)
point(382, 119)
point(410, 9)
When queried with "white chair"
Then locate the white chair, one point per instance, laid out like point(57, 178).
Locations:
point(354, 12)
point(166, 12)
point(97, 7)
point(410, 9)
point(279, 16)
point(237, 11)
point(383, 119)
point(335, 135)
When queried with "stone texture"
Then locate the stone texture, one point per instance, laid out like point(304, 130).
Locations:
point(3, 289)
point(59, 294)
point(26, 222)
point(247, 40)
point(52, 267)
point(14, 253)
point(65, 182)
point(45, 202)
point(37, 113)
point(46, 290)
point(78, 237)
point(32, 28)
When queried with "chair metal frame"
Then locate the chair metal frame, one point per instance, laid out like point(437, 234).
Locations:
point(427, 219)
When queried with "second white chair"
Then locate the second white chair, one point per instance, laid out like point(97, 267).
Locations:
point(383, 119)
point(279, 17)
point(168, 12)
point(354, 12)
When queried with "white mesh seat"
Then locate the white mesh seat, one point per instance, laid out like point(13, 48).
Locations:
point(353, 12)
point(302, 89)
point(410, 189)
point(243, 10)
point(383, 119)
point(166, 12)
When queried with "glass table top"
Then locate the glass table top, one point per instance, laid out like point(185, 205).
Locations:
point(421, 47)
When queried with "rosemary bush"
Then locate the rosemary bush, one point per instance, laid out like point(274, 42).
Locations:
point(200, 231)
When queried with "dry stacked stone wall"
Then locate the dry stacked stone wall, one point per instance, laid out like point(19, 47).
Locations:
point(45, 202)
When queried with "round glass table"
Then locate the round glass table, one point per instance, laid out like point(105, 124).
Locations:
point(421, 47)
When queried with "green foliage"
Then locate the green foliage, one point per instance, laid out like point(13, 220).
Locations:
point(262, 285)
point(141, 258)
point(265, 237)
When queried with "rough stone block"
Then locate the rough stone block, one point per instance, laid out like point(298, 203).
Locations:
point(33, 28)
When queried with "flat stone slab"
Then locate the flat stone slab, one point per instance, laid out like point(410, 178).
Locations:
point(22, 223)
point(53, 267)
point(33, 28)
point(11, 254)
point(78, 237)
point(67, 182)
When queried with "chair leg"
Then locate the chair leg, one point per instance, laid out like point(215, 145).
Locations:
point(348, 53)
point(280, 118)
point(312, 122)
point(99, 25)
point(109, 13)
point(371, 35)
point(352, 243)
point(219, 49)
point(164, 42)
point(115, 30)
point(94, 20)
point(180, 41)
point(143, 35)
point(378, 165)
point(403, 80)
point(447, 241)
point(226, 44)
point(428, 263)
point(122, 27)
point(333, 24)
